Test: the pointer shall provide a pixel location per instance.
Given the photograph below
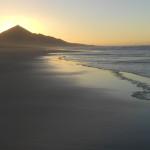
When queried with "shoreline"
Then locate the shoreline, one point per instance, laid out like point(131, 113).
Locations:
point(142, 83)
point(140, 75)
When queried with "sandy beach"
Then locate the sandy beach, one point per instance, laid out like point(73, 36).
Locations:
point(48, 103)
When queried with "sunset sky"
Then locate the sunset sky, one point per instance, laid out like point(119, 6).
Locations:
point(103, 22)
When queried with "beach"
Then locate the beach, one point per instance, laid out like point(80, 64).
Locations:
point(49, 103)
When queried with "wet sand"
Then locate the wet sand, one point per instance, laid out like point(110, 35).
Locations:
point(50, 104)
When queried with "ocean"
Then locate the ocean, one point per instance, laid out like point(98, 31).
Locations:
point(131, 63)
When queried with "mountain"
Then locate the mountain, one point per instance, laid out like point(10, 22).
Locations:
point(20, 36)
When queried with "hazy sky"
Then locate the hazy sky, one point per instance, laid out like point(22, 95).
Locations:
point(85, 21)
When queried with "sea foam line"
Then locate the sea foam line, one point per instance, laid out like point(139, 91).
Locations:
point(144, 94)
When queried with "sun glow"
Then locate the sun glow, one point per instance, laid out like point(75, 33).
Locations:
point(26, 22)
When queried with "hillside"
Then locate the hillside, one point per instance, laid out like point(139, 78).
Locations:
point(20, 36)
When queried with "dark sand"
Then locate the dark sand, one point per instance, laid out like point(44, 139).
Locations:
point(44, 106)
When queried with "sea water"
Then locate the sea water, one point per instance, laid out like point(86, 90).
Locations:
point(131, 63)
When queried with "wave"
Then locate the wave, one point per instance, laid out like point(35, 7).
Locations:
point(135, 60)
point(144, 88)
point(144, 93)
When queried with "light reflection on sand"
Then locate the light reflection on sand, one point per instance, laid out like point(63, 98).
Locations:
point(95, 78)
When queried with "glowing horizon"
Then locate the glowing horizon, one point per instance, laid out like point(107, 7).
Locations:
point(101, 22)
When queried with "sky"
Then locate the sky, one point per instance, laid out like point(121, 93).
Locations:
point(101, 22)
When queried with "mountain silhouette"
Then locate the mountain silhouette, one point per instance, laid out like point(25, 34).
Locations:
point(19, 35)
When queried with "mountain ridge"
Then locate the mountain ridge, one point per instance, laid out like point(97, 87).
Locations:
point(21, 36)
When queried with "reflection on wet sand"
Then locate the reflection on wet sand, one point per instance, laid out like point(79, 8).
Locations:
point(100, 78)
